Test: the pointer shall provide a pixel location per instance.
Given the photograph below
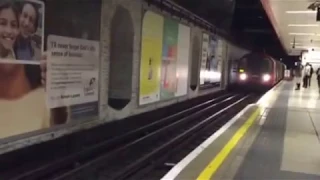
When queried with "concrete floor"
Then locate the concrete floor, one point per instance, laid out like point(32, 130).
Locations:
point(283, 142)
point(287, 146)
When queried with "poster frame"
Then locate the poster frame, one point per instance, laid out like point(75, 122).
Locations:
point(164, 14)
point(206, 86)
point(36, 61)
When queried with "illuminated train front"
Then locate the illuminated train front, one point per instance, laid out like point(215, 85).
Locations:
point(258, 70)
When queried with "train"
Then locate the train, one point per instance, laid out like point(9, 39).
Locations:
point(258, 71)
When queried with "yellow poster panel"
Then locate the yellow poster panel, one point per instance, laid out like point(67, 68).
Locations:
point(151, 52)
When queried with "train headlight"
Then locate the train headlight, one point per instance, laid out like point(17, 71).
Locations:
point(243, 76)
point(266, 77)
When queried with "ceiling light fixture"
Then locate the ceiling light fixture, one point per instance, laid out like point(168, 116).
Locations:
point(301, 12)
point(301, 47)
point(307, 47)
point(308, 40)
point(303, 25)
point(303, 34)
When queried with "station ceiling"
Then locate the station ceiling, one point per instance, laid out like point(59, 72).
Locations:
point(249, 24)
point(295, 21)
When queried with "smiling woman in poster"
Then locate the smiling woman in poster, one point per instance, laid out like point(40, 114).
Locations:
point(25, 46)
point(22, 104)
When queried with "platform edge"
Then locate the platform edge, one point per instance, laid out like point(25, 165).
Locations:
point(178, 168)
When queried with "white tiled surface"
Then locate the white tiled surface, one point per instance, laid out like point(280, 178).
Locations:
point(305, 98)
point(301, 144)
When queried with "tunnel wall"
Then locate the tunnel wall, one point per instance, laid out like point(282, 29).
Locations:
point(120, 65)
point(138, 10)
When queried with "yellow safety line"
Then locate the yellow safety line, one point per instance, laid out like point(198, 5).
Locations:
point(213, 166)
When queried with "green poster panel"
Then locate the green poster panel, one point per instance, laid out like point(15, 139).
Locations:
point(169, 59)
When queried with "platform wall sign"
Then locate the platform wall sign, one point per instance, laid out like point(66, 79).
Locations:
point(211, 59)
point(164, 59)
point(204, 58)
point(67, 77)
point(72, 71)
point(22, 96)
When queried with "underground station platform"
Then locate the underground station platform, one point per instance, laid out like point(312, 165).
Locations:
point(276, 138)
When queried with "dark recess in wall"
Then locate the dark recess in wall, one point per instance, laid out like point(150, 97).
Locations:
point(218, 12)
point(121, 58)
point(245, 20)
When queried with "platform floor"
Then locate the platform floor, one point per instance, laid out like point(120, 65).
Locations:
point(281, 142)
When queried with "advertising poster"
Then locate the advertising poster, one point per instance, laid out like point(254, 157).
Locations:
point(183, 59)
point(165, 51)
point(211, 60)
point(24, 80)
point(169, 59)
point(214, 59)
point(204, 58)
point(73, 71)
point(221, 56)
point(22, 95)
point(150, 65)
point(70, 24)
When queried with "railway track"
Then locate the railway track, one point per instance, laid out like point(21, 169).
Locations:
point(145, 151)
point(21, 161)
point(163, 164)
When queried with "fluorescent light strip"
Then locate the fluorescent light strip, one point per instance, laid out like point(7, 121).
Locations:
point(303, 34)
point(307, 47)
point(300, 42)
point(303, 25)
point(301, 12)
point(307, 40)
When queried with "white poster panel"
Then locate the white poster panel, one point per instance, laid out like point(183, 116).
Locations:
point(183, 59)
point(73, 71)
point(205, 46)
point(213, 57)
point(216, 61)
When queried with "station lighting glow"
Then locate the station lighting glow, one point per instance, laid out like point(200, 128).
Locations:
point(241, 70)
point(307, 47)
point(303, 25)
point(301, 12)
point(303, 34)
point(311, 56)
point(210, 75)
point(295, 43)
point(312, 53)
